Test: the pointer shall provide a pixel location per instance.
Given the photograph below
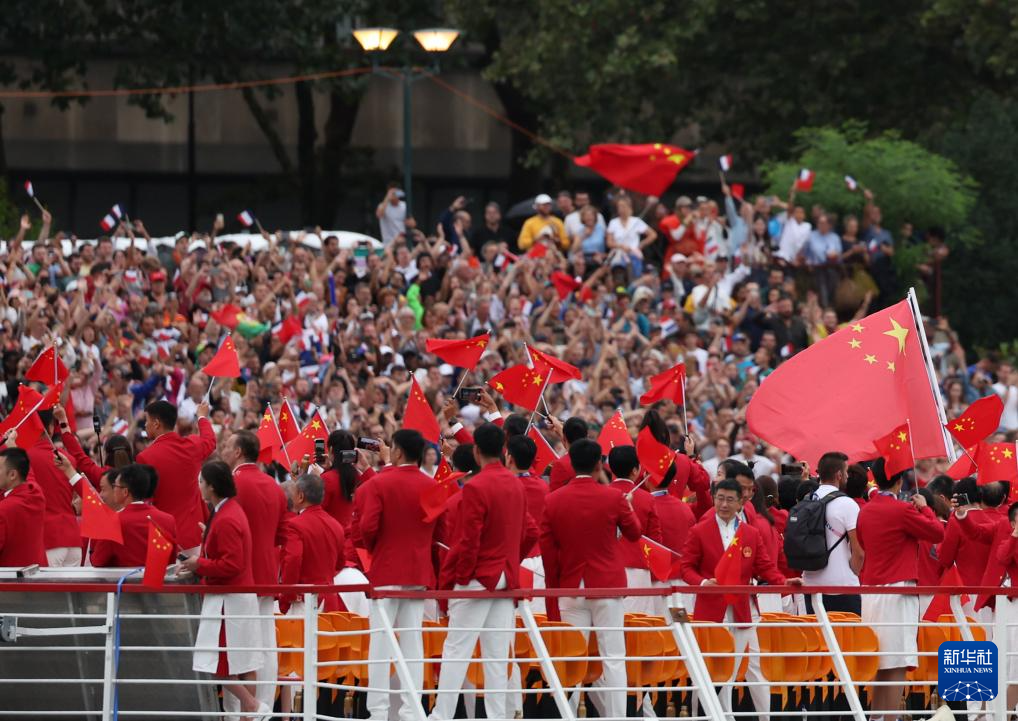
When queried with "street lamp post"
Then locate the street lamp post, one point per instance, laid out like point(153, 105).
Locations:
point(433, 41)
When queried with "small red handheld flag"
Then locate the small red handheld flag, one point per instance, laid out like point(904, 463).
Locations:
point(978, 421)
point(434, 498)
point(157, 556)
point(419, 415)
point(537, 250)
point(545, 454)
point(288, 427)
point(24, 418)
point(941, 603)
point(560, 370)
point(896, 450)
point(655, 457)
point(97, 519)
point(965, 465)
point(997, 462)
point(460, 353)
point(52, 396)
point(667, 386)
point(614, 434)
point(804, 180)
point(269, 436)
point(728, 572)
point(225, 363)
point(47, 368)
point(564, 284)
point(522, 385)
point(304, 443)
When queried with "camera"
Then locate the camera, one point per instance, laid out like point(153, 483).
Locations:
point(470, 394)
point(369, 444)
point(319, 451)
point(348, 456)
point(962, 499)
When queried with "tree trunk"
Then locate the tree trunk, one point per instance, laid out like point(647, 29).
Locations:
point(306, 137)
point(3, 151)
point(338, 131)
point(270, 133)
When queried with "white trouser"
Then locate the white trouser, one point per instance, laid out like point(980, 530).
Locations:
point(64, 556)
point(611, 644)
point(675, 599)
point(647, 605)
point(535, 564)
point(746, 642)
point(269, 669)
point(495, 615)
point(403, 613)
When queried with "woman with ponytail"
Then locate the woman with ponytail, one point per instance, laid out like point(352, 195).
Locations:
point(116, 450)
point(342, 478)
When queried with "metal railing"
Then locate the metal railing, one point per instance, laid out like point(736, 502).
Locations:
point(99, 650)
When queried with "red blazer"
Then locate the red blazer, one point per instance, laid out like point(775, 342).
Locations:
point(134, 525)
point(536, 490)
point(971, 554)
point(1007, 556)
point(561, 473)
point(82, 462)
point(700, 558)
point(226, 554)
point(676, 519)
point(334, 503)
point(689, 476)
point(643, 505)
point(579, 535)
point(768, 535)
point(889, 531)
point(780, 516)
point(60, 524)
point(21, 534)
point(264, 504)
point(495, 530)
point(390, 526)
point(995, 531)
point(446, 559)
point(178, 462)
point(312, 553)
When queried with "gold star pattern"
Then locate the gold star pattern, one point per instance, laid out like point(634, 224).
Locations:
point(857, 328)
point(315, 424)
point(536, 379)
point(499, 387)
point(854, 343)
point(899, 333)
point(871, 359)
point(959, 427)
point(267, 416)
point(902, 436)
point(283, 416)
point(890, 366)
point(1008, 453)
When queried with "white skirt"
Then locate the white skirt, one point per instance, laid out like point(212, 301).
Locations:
point(900, 609)
point(217, 608)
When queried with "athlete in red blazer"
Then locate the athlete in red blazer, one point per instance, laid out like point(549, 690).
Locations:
point(60, 524)
point(335, 503)
point(677, 520)
point(889, 531)
point(313, 551)
point(226, 553)
point(178, 462)
point(646, 512)
point(1007, 551)
point(972, 554)
point(993, 531)
point(22, 504)
point(134, 521)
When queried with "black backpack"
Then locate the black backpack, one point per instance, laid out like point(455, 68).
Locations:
point(806, 534)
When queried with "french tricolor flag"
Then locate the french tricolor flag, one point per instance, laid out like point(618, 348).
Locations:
point(117, 212)
point(29, 189)
point(725, 163)
point(804, 181)
point(108, 222)
point(245, 218)
point(851, 183)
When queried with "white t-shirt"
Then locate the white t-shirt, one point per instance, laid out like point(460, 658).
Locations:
point(842, 514)
point(762, 465)
point(574, 225)
point(393, 221)
point(628, 235)
point(793, 237)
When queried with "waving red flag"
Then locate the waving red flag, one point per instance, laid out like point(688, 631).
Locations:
point(227, 315)
point(564, 284)
point(47, 368)
point(460, 353)
point(614, 433)
point(269, 436)
point(656, 558)
point(997, 462)
point(288, 427)
point(829, 395)
point(941, 603)
point(522, 385)
point(97, 519)
point(978, 421)
point(545, 454)
point(419, 415)
point(896, 450)
point(157, 556)
point(965, 465)
point(225, 363)
point(24, 418)
point(648, 168)
point(304, 443)
point(655, 457)
point(560, 370)
point(52, 396)
point(667, 386)
point(728, 572)
point(435, 498)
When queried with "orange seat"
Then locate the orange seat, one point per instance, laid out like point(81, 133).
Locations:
point(562, 642)
point(715, 638)
point(954, 632)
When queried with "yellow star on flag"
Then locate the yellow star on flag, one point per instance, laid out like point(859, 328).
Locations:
point(854, 343)
point(499, 387)
point(537, 379)
point(959, 427)
point(890, 366)
point(1008, 453)
point(871, 359)
point(315, 424)
point(898, 333)
point(902, 436)
point(857, 327)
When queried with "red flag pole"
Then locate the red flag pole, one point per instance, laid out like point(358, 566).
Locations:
point(917, 320)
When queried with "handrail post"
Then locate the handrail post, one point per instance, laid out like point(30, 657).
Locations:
point(1000, 621)
point(108, 657)
point(310, 682)
point(544, 658)
point(695, 665)
point(834, 648)
point(411, 695)
point(959, 618)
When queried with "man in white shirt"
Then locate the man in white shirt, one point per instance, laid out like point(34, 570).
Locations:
point(761, 465)
point(794, 236)
point(391, 214)
point(846, 554)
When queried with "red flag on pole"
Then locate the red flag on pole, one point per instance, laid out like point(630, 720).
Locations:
point(614, 433)
point(157, 556)
point(269, 437)
point(896, 450)
point(564, 284)
point(978, 421)
point(419, 415)
point(656, 558)
point(304, 443)
point(434, 498)
point(560, 370)
point(996, 462)
point(670, 386)
point(47, 368)
point(655, 457)
point(97, 519)
point(460, 353)
point(545, 454)
point(728, 572)
point(648, 168)
point(288, 427)
point(836, 388)
point(522, 385)
point(941, 603)
point(225, 363)
point(23, 417)
point(227, 315)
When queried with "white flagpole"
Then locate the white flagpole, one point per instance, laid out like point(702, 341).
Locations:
point(539, 399)
point(917, 318)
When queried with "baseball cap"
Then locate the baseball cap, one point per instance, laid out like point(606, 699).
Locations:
point(683, 201)
point(157, 275)
point(738, 337)
point(542, 199)
point(679, 258)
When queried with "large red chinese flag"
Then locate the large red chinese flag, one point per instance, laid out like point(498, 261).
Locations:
point(522, 385)
point(269, 437)
point(288, 427)
point(655, 457)
point(996, 462)
point(225, 363)
point(419, 415)
point(896, 451)
point(47, 368)
point(157, 556)
point(560, 370)
point(978, 421)
point(648, 168)
point(545, 454)
point(667, 386)
point(728, 572)
point(460, 353)
point(614, 433)
point(97, 519)
point(835, 394)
